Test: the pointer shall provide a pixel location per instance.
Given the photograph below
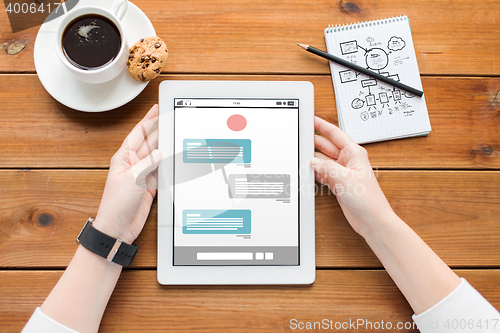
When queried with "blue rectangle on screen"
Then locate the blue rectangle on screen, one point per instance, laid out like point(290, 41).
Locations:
point(214, 221)
point(217, 151)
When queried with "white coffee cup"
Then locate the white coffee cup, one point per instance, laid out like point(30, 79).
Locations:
point(102, 74)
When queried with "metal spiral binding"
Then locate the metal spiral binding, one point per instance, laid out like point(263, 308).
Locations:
point(363, 24)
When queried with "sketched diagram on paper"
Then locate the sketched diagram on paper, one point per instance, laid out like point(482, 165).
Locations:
point(374, 100)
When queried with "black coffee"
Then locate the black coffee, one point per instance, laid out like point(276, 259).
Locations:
point(91, 41)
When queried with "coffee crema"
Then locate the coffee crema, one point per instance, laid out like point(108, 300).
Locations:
point(91, 42)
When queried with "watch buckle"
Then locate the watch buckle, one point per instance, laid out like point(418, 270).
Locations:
point(114, 250)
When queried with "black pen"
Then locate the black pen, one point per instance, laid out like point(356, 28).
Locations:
point(363, 70)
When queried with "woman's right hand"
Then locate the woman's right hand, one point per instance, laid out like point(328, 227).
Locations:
point(343, 165)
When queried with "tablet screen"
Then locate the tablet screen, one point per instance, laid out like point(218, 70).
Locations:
point(236, 176)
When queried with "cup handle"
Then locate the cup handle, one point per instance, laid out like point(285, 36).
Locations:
point(119, 8)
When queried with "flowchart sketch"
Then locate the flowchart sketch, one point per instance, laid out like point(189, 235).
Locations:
point(371, 110)
point(375, 59)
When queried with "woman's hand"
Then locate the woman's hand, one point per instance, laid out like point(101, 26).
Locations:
point(343, 165)
point(131, 185)
point(422, 277)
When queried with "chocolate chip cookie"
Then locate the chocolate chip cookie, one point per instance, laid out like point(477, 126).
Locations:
point(147, 58)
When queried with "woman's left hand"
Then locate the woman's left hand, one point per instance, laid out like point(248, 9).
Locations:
point(131, 184)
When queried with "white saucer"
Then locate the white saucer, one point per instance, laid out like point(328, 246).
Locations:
point(76, 94)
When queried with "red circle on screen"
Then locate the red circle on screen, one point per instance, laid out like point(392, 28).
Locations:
point(236, 122)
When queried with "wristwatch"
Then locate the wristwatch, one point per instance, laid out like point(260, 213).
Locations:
point(112, 249)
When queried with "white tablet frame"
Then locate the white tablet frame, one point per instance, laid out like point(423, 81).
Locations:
point(304, 273)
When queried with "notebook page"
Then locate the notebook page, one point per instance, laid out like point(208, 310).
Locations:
point(370, 110)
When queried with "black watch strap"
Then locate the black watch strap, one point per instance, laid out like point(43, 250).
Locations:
point(106, 246)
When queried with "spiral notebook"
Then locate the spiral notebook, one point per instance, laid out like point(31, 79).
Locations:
point(369, 110)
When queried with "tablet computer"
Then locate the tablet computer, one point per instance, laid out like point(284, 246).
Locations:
point(236, 190)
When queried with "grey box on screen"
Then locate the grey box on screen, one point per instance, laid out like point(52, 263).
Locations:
point(261, 186)
point(282, 255)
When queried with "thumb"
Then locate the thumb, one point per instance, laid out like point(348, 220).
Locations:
point(328, 167)
point(145, 166)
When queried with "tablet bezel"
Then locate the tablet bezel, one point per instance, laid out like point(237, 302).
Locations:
point(305, 272)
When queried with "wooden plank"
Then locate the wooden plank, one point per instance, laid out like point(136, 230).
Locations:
point(235, 36)
point(39, 132)
point(456, 212)
point(140, 304)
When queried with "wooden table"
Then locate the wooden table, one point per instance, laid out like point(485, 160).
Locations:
point(54, 161)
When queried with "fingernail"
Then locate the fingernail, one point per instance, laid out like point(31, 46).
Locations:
point(157, 154)
point(315, 161)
